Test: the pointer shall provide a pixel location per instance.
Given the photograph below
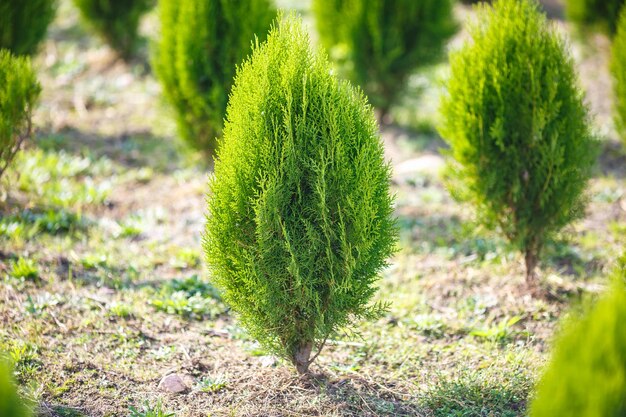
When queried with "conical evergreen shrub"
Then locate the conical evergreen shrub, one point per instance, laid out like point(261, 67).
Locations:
point(618, 69)
point(115, 21)
point(599, 13)
point(11, 405)
point(201, 44)
point(587, 374)
point(377, 44)
point(299, 224)
point(19, 91)
point(519, 133)
point(24, 23)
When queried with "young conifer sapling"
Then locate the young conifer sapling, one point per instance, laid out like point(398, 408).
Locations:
point(521, 149)
point(299, 224)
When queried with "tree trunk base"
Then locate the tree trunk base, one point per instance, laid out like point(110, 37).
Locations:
point(532, 282)
point(301, 358)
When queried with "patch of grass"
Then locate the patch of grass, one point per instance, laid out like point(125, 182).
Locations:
point(191, 298)
point(501, 332)
point(186, 258)
point(61, 180)
point(429, 325)
point(482, 393)
point(25, 269)
point(120, 309)
point(28, 224)
point(133, 226)
point(147, 410)
point(62, 411)
point(212, 384)
point(25, 359)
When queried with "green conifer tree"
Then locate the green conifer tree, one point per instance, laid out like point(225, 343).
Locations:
point(519, 133)
point(618, 69)
point(24, 23)
point(377, 44)
point(19, 91)
point(11, 405)
point(300, 213)
point(599, 13)
point(115, 21)
point(587, 374)
point(201, 44)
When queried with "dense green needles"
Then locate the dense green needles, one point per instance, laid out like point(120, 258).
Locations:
point(201, 44)
point(116, 21)
point(23, 24)
point(379, 43)
point(19, 91)
point(618, 69)
point(587, 375)
point(11, 405)
point(521, 146)
point(299, 225)
point(599, 13)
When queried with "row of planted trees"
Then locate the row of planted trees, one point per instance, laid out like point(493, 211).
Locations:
point(300, 215)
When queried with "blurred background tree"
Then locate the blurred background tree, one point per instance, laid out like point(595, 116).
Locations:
point(23, 24)
point(377, 44)
point(11, 404)
point(521, 145)
point(603, 14)
point(587, 374)
point(196, 56)
point(115, 21)
point(19, 91)
point(618, 69)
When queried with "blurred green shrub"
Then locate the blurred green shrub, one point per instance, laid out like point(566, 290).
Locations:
point(521, 146)
point(11, 405)
point(19, 91)
point(23, 24)
point(115, 21)
point(618, 69)
point(299, 223)
point(377, 44)
point(599, 13)
point(587, 374)
point(201, 44)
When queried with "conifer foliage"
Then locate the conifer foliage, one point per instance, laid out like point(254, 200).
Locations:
point(618, 69)
point(115, 21)
point(587, 374)
point(19, 91)
point(11, 405)
point(379, 43)
point(599, 13)
point(23, 24)
point(521, 147)
point(201, 44)
point(299, 224)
